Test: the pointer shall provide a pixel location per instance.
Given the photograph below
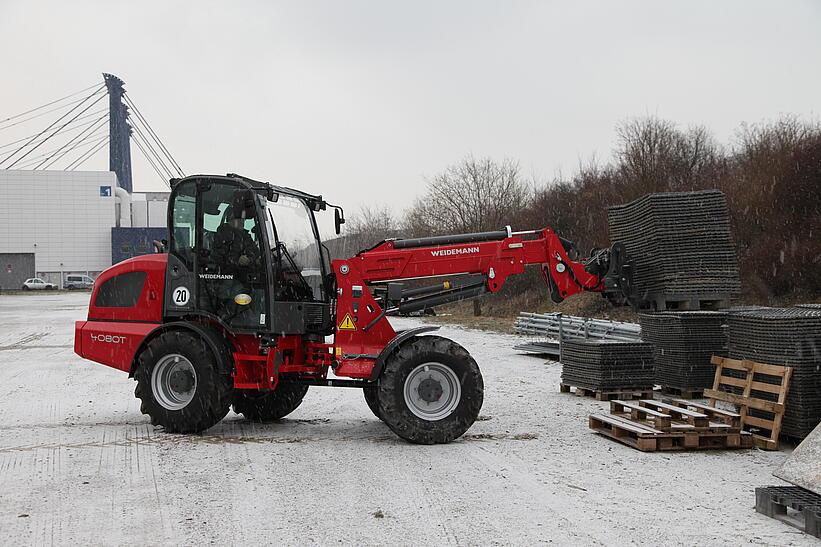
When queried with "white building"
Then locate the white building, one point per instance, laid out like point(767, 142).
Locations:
point(65, 218)
point(149, 210)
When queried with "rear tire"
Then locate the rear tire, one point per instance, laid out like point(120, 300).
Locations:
point(269, 406)
point(180, 385)
point(371, 394)
point(430, 391)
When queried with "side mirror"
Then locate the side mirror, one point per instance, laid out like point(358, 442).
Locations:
point(339, 220)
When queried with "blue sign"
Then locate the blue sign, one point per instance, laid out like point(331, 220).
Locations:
point(105, 191)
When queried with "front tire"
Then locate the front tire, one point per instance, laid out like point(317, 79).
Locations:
point(180, 385)
point(431, 390)
point(269, 406)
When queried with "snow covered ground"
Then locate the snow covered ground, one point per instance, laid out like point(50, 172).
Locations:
point(80, 464)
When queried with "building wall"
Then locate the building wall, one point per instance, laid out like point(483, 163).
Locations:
point(158, 214)
point(149, 210)
point(15, 268)
point(63, 217)
point(139, 214)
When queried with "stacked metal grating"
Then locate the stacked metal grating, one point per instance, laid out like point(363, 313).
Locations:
point(606, 365)
point(790, 337)
point(683, 343)
point(680, 246)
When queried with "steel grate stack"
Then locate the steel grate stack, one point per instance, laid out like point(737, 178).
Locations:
point(681, 248)
point(606, 365)
point(683, 343)
point(791, 337)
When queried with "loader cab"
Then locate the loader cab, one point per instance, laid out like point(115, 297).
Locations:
point(246, 254)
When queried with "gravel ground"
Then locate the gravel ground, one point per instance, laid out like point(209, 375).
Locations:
point(79, 464)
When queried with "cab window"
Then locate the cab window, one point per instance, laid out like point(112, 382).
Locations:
point(231, 276)
point(298, 260)
point(183, 217)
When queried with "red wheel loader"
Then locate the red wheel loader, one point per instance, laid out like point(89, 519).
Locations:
point(242, 307)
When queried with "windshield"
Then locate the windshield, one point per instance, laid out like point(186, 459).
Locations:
point(296, 247)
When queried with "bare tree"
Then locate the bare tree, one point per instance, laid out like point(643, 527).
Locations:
point(374, 222)
point(644, 148)
point(775, 194)
point(654, 155)
point(364, 229)
point(471, 196)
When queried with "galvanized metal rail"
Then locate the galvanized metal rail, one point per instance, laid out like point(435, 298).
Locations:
point(555, 327)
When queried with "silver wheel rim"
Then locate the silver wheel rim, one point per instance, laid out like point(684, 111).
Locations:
point(174, 382)
point(432, 391)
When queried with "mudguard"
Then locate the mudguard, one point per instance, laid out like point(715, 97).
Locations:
point(400, 337)
point(216, 342)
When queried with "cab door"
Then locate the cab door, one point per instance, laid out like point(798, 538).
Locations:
point(216, 263)
point(231, 266)
point(180, 281)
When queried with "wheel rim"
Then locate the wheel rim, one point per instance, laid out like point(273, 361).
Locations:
point(432, 391)
point(174, 382)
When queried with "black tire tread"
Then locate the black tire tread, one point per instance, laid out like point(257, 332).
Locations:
point(269, 406)
point(371, 394)
point(214, 389)
point(398, 365)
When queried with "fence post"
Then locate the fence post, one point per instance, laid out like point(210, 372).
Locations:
point(561, 339)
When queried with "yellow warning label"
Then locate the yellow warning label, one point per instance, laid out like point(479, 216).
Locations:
point(347, 323)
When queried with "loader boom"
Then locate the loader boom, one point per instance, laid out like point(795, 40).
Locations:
point(506, 254)
point(486, 259)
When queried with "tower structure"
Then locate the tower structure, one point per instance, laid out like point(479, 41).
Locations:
point(119, 135)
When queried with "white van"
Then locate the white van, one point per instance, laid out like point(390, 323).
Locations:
point(78, 282)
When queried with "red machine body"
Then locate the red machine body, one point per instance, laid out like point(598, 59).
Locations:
point(114, 336)
point(247, 311)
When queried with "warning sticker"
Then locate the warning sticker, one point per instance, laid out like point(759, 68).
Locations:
point(347, 323)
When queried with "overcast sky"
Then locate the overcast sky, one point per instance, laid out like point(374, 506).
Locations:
point(360, 101)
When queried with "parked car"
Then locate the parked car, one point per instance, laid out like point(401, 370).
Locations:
point(35, 283)
point(74, 282)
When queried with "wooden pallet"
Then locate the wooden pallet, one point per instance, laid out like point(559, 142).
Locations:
point(649, 439)
point(683, 393)
point(732, 419)
point(685, 303)
point(650, 426)
point(607, 395)
point(765, 430)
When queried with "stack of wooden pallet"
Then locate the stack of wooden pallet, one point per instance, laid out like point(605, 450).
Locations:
point(676, 424)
